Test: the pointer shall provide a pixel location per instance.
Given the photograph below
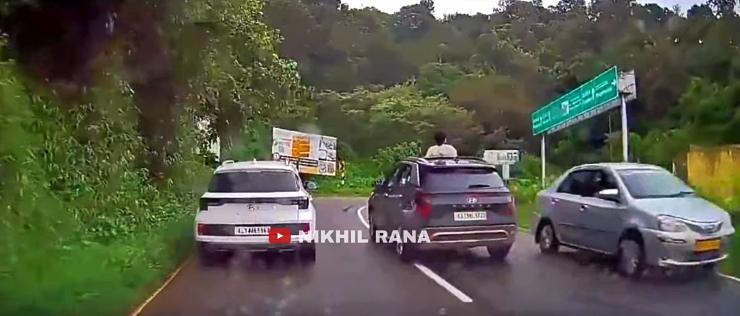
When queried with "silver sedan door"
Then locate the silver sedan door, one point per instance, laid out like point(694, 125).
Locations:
point(565, 204)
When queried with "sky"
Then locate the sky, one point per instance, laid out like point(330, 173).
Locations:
point(443, 7)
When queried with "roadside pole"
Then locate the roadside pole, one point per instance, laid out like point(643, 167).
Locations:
point(542, 153)
point(625, 131)
point(505, 171)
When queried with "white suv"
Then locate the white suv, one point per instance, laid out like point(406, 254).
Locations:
point(249, 204)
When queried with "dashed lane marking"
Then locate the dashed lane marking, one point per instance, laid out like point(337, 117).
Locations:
point(426, 271)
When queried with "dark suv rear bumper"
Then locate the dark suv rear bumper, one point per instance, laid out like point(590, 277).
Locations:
point(456, 237)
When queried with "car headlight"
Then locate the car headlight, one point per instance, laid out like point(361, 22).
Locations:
point(671, 224)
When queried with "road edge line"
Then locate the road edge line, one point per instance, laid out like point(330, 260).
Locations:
point(729, 277)
point(443, 283)
point(362, 219)
point(167, 282)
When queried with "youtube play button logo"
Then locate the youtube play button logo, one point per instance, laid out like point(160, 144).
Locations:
point(279, 235)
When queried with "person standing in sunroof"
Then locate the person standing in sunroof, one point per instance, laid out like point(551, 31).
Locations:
point(442, 148)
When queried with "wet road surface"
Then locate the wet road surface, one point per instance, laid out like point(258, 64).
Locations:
point(366, 279)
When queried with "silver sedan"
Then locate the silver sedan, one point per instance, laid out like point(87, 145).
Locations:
point(640, 213)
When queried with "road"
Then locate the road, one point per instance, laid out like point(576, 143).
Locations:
point(366, 279)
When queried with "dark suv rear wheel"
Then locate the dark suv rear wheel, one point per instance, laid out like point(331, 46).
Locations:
point(498, 253)
point(404, 250)
point(373, 229)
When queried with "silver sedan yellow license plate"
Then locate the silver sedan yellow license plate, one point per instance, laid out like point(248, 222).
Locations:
point(470, 216)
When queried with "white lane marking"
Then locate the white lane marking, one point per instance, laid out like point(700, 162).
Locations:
point(729, 277)
point(362, 218)
point(164, 285)
point(443, 283)
point(428, 272)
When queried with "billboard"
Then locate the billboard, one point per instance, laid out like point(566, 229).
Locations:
point(501, 157)
point(310, 153)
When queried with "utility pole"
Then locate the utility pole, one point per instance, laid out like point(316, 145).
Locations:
point(625, 131)
point(542, 153)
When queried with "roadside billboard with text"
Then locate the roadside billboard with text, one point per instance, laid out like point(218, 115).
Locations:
point(310, 153)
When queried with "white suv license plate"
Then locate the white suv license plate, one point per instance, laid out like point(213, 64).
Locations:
point(251, 230)
point(470, 216)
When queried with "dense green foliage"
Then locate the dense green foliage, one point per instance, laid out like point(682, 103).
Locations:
point(500, 66)
point(102, 132)
point(100, 145)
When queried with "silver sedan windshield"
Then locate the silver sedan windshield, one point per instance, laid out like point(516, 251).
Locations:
point(650, 183)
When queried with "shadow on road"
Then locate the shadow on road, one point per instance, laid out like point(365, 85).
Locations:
point(606, 265)
point(255, 261)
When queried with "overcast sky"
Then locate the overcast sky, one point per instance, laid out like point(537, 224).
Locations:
point(443, 7)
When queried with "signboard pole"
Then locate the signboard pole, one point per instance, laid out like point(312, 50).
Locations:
point(625, 131)
point(542, 153)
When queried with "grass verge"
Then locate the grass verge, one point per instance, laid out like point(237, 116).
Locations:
point(88, 278)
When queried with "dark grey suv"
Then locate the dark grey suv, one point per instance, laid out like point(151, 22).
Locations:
point(457, 202)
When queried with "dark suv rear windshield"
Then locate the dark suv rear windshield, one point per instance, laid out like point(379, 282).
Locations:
point(460, 179)
point(254, 181)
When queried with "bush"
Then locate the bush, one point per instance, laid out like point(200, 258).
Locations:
point(82, 228)
point(359, 180)
point(360, 175)
point(386, 158)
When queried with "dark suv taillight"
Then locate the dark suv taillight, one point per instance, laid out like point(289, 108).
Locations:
point(423, 204)
point(510, 208)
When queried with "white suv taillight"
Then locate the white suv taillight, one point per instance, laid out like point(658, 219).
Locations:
point(303, 203)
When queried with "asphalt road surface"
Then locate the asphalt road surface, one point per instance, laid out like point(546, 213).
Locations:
point(366, 279)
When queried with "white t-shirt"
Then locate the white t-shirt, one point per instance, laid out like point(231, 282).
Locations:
point(443, 150)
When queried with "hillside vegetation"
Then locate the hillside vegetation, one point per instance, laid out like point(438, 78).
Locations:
point(106, 108)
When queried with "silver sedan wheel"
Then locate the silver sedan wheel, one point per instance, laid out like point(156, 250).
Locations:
point(630, 258)
point(546, 236)
point(547, 239)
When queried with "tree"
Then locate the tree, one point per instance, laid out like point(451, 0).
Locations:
point(567, 6)
point(244, 80)
point(413, 21)
point(700, 11)
point(428, 5)
point(438, 79)
point(724, 8)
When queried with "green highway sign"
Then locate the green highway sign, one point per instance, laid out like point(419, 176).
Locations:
point(593, 97)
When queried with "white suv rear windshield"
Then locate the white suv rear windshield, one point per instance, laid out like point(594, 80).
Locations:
point(254, 181)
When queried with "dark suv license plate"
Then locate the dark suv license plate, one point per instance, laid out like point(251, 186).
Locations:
point(470, 216)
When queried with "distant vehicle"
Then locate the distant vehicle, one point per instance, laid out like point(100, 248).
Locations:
point(642, 214)
point(245, 200)
point(460, 203)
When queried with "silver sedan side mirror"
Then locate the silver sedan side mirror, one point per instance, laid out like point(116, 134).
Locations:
point(609, 195)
